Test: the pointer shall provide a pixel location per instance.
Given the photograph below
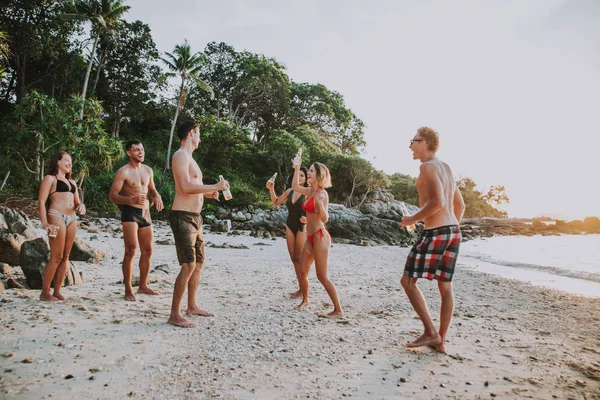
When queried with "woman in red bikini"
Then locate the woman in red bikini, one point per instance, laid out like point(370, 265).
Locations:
point(318, 240)
point(57, 203)
point(295, 234)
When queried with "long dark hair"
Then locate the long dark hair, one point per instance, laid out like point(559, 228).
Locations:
point(53, 165)
point(303, 169)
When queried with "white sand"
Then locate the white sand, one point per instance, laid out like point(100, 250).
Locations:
point(523, 341)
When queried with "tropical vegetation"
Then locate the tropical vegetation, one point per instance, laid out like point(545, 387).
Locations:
point(76, 76)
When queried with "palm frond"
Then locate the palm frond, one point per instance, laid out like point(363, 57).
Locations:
point(204, 86)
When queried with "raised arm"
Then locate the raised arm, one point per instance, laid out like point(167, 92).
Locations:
point(181, 173)
point(296, 182)
point(459, 204)
point(45, 187)
point(154, 195)
point(274, 199)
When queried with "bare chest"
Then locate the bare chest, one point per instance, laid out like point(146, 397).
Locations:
point(195, 172)
point(137, 180)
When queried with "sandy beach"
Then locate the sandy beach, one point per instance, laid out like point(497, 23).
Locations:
point(508, 339)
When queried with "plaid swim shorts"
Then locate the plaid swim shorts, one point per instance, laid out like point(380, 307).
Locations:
point(434, 254)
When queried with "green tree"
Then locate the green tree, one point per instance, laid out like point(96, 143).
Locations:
point(325, 112)
point(38, 41)
point(355, 178)
point(319, 148)
point(186, 66)
point(261, 97)
point(404, 188)
point(44, 127)
point(282, 150)
point(477, 204)
point(222, 72)
point(103, 15)
point(131, 74)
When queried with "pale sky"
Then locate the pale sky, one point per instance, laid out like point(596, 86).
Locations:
point(513, 87)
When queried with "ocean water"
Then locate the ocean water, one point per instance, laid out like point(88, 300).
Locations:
point(570, 263)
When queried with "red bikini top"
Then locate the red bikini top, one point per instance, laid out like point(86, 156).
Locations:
point(309, 204)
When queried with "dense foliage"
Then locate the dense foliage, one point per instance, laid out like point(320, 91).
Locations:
point(76, 76)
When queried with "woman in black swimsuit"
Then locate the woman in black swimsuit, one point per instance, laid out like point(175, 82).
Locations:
point(58, 201)
point(295, 234)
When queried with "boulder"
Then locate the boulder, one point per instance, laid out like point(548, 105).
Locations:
point(238, 216)
point(221, 213)
point(12, 283)
point(10, 246)
point(5, 269)
point(83, 251)
point(17, 222)
point(384, 206)
point(33, 258)
point(220, 226)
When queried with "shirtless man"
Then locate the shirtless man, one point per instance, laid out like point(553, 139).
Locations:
point(130, 189)
point(186, 222)
point(433, 256)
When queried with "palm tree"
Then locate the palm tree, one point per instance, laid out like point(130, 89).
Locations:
point(103, 14)
point(107, 41)
point(185, 65)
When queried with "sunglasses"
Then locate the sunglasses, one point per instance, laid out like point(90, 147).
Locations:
point(415, 140)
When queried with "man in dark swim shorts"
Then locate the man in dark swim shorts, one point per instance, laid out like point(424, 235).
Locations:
point(434, 254)
point(137, 215)
point(132, 185)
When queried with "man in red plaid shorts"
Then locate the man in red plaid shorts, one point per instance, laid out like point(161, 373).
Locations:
point(434, 254)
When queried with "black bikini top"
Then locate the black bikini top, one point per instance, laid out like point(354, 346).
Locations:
point(63, 187)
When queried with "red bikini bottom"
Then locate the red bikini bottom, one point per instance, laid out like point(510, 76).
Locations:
point(311, 238)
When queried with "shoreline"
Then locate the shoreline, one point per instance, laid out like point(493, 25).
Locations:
point(521, 339)
point(539, 261)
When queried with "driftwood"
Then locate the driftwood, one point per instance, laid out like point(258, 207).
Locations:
point(5, 179)
point(26, 204)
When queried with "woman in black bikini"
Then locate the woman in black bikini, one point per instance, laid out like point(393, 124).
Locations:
point(58, 201)
point(295, 234)
point(318, 240)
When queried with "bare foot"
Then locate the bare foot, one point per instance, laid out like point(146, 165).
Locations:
point(296, 295)
point(181, 322)
point(440, 347)
point(302, 305)
point(59, 296)
point(129, 296)
point(198, 311)
point(426, 340)
point(334, 314)
point(48, 297)
point(147, 290)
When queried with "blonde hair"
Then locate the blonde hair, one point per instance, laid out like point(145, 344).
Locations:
point(431, 137)
point(323, 175)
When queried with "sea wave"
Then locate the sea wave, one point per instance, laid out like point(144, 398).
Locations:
point(585, 275)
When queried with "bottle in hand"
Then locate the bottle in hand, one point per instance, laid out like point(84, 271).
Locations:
point(226, 191)
point(298, 158)
point(410, 228)
point(272, 179)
